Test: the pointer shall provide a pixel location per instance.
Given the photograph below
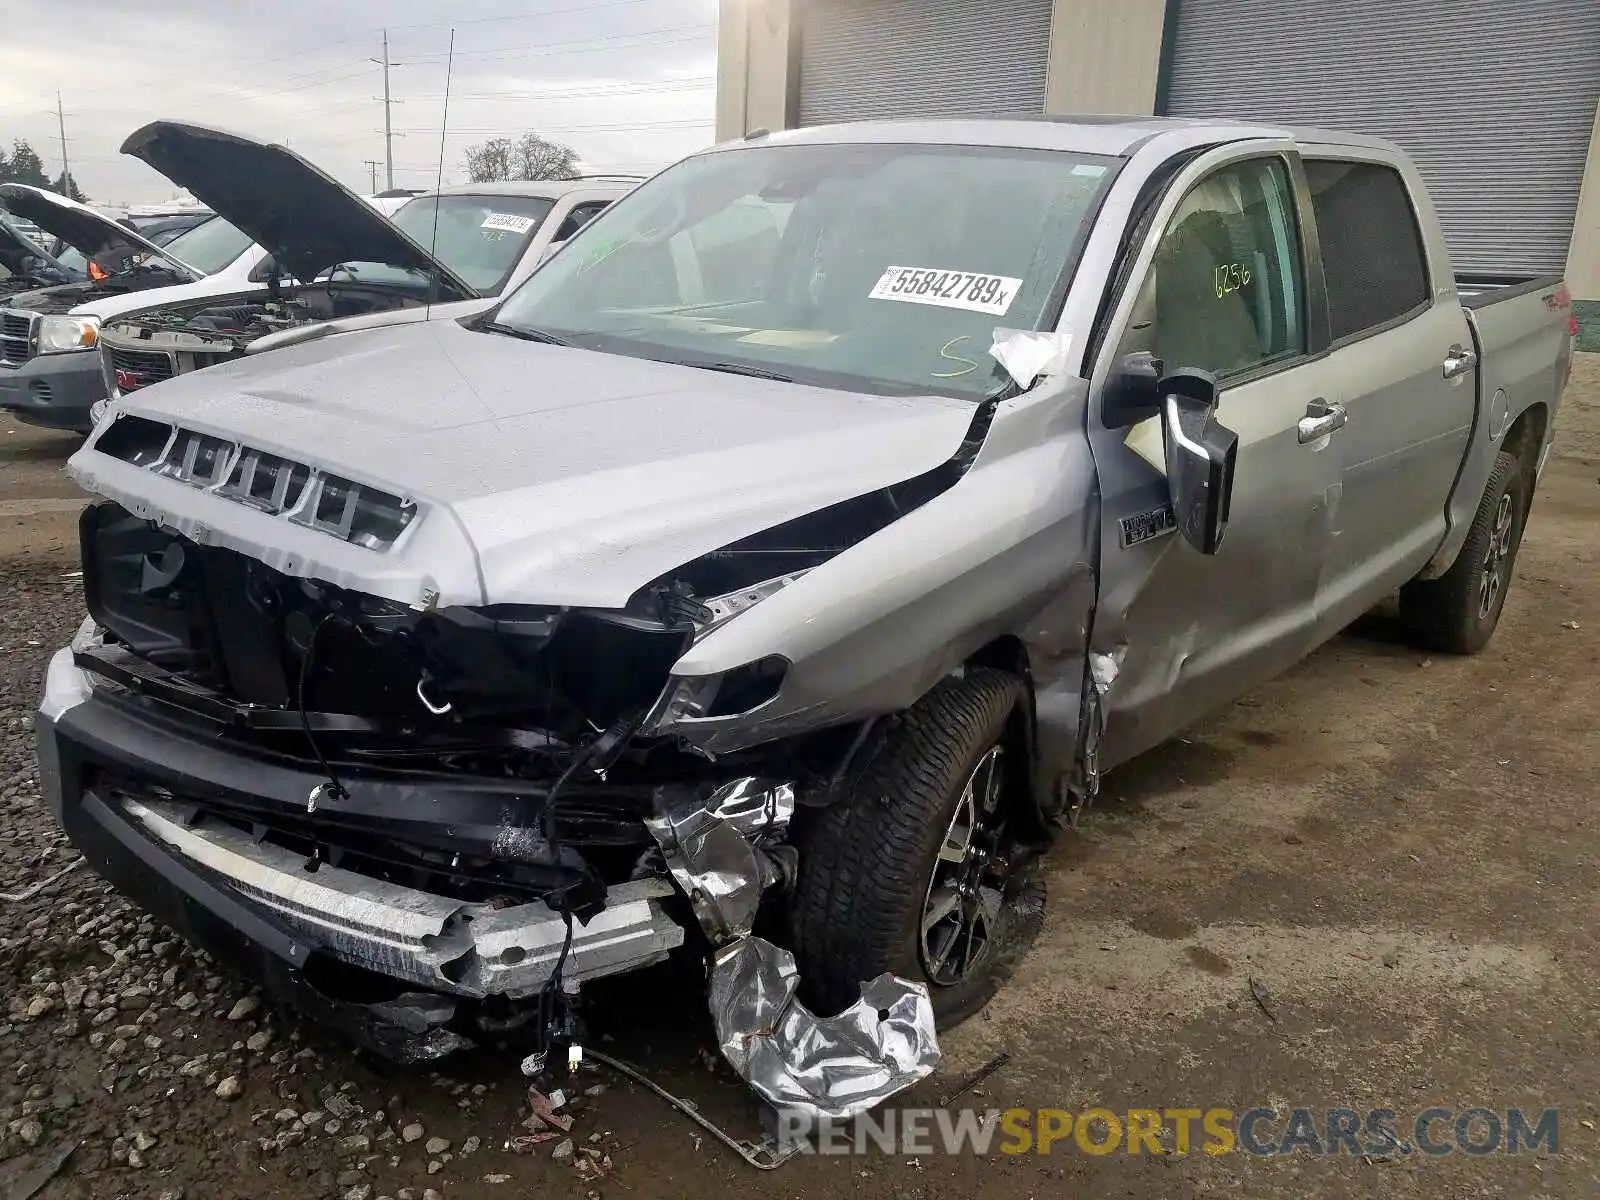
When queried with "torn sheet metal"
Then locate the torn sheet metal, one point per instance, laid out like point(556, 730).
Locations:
point(717, 867)
point(1028, 355)
point(824, 1068)
point(756, 807)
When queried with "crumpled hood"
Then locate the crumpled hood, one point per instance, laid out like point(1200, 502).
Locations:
point(94, 235)
point(542, 474)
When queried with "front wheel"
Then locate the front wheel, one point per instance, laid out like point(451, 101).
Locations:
point(1457, 612)
point(920, 871)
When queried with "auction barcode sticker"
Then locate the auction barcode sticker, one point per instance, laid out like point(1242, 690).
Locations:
point(992, 294)
point(509, 222)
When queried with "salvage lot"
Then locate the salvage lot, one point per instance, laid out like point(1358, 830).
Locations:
point(1396, 849)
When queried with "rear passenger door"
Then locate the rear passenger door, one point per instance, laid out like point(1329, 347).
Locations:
point(1223, 288)
point(1400, 346)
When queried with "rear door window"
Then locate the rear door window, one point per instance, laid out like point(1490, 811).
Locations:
point(1372, 250)
point(580, 216)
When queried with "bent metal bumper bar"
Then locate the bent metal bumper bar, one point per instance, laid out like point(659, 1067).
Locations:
point(472, 950)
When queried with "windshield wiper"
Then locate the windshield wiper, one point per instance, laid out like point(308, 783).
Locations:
point(527, 333)
point(729, 368)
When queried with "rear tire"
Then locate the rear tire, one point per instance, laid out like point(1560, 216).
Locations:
point(928, 830)
point(1457, 613)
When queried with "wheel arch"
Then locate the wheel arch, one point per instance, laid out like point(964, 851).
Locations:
point(1525, 439)
point(1008, 653)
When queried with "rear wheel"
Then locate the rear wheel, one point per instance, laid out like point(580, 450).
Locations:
point(1457, 613)
point(920, 871)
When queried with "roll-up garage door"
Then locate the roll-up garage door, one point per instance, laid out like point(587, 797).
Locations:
point(864, 60)
point(1495, 99)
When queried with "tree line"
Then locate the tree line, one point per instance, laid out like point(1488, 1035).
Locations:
point(528, 157)
point(23, 165)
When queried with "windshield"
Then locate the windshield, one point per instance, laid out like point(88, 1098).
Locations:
point(480, 238)
point(872, 267)
point(210, 246)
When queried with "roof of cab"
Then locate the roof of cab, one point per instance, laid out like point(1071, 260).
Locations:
point(547, 189)
point(1115, 136)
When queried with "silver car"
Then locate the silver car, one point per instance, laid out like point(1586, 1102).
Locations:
point(799, 545)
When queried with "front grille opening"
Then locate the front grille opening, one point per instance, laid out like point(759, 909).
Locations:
point(140, 368)
point(353, 512)
point(357, 513)
point(266, 481)
point(136, 440)
point(197, 458)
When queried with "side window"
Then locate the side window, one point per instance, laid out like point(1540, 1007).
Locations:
point(580, 216)
point(1371, 244)
point(1225, 289)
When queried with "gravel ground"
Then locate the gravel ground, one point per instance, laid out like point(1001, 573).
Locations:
point(1401, 851)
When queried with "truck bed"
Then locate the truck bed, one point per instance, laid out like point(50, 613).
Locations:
point(1522, 332)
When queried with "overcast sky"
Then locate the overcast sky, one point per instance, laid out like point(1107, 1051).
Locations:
point(630, 84)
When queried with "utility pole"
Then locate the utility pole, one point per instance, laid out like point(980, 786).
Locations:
point(388, 128)
point(61, 124)
point(373, 165)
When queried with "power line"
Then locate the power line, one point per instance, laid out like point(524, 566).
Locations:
point(495, 51)
point(622, 127)
point(692, 85)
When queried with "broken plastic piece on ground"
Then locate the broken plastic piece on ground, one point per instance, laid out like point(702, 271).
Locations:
point(544, 1108)
point(29, 892)
point(1027, 354)
point(822, 1068)
point(716, 866)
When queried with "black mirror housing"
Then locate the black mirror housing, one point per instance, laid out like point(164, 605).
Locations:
point(1200, 457)
point(1133, 393)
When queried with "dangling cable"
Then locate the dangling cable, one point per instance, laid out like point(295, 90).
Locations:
point(335, 789)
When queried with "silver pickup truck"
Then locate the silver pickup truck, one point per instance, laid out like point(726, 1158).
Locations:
point(798, 546)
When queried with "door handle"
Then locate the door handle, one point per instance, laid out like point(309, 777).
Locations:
point(1458, 361)
point(1322, 419)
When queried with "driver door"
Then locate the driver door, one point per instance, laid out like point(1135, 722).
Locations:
point(1220, 285)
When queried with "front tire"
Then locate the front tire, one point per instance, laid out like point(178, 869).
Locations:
point(1457, 613)
point(919, 871)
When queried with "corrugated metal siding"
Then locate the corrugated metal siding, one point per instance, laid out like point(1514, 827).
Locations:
point(1495, 99)
point(866, 60)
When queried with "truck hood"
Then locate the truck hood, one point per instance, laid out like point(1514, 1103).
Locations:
point(308, 220)
point(540, 474)
point(92, 234)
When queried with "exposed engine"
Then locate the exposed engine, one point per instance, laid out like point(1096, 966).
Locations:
point(149, 347)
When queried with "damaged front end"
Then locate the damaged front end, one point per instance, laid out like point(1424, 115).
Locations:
point(451, 818)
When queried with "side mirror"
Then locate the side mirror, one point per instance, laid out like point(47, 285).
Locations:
point(264, 270)
point(1200, 456)
point(1133, 393)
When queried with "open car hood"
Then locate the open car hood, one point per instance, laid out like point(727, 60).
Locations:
point(308, 220)
point(92, 234)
